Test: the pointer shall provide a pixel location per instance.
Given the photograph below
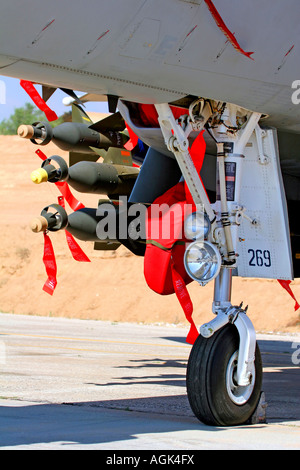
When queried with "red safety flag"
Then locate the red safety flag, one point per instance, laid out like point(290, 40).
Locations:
point(222, 26)
point(75, 249)
point(41, 155)
point(50, 265)
point(38, 100)
point(64, 188)
point(185, 302)
point(286, 285)
point(133, 140)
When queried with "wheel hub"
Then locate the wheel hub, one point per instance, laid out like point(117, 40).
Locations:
point(238, 394)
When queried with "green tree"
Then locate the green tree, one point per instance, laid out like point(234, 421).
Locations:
point(25, 115)
point(28, 114)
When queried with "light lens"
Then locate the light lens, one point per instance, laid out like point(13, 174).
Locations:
point(202, 261)
point(197, 226)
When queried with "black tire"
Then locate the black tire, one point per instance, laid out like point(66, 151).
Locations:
point(210, 364)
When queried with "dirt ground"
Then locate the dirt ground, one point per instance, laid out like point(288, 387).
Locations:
point(111, 287)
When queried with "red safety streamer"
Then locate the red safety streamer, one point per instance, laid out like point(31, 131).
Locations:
point(50, 265)
point(133, 141)
point(222, 26)
point(38, 100)
point(75, 249)
point(286, 285)
point(185, 302)
point(41, 155)
point(71, 200)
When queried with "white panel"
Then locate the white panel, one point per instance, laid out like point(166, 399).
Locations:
point(263, 248)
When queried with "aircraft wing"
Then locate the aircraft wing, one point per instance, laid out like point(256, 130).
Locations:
point(153, 51)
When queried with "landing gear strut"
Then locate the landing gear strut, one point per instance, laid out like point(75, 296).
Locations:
point(224, 373)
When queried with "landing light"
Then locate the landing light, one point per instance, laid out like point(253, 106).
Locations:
point(197, 226)
point(202, 261)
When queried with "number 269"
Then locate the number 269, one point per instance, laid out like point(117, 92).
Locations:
point(260, 258)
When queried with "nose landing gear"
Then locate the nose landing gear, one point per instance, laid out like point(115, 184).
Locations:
point(224, 374)
point(213, 392)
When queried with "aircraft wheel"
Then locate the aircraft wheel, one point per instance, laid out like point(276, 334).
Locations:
point(215, 397)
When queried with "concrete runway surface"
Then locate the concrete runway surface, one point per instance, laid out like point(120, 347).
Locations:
point(83, 384)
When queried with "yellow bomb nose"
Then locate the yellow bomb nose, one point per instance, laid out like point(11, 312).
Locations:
point(39, 176)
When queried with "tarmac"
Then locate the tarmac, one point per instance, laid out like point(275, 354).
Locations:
point(69, 384)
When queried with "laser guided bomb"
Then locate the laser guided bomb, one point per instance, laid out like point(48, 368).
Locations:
point(86, 142)
point(82, 223)
point(88, 177)
point(108, 227)
point(79, 136)
point(114, 177)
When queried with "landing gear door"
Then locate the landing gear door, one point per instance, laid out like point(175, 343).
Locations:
point(263, 242)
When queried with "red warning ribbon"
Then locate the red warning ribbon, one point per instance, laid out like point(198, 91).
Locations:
point(286, 285)
point(185, 302)
point(38, 100)
point(222, 26)
point(41, 155)
point(133, 141)
point(64, 188)
point(75, 249)
point(50, 265)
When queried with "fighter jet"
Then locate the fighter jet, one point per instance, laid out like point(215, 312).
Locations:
point(212, 89)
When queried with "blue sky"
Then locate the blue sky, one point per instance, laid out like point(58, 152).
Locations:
point(13, 96)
